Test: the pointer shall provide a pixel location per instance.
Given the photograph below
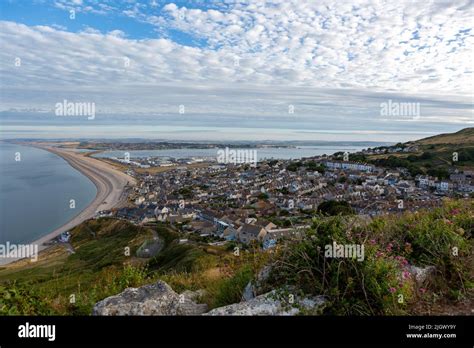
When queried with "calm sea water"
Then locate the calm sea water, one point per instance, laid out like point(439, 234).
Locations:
point(262, 153)
point(35, 193)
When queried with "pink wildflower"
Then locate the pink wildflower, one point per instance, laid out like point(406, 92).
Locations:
point(455, 212)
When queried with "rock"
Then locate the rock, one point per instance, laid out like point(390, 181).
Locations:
point(249, 292)
point(253, 288)
point(271, 303)
point(422, 275)
point(153, 299)
point(193, 295)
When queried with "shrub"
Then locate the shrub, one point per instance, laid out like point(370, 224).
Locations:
point(335, 208)
point(382, 283)
point(22, 300)
point(230, 290)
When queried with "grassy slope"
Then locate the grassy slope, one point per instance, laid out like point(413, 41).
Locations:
point(441, 147)
point(99, 267)
point(382, 282)
point(88, 273)
point(463, 137)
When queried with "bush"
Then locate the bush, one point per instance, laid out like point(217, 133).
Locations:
point(352, 287)
point(22, 300)
point(441, 238)
point(230, 290)
point(335, 208)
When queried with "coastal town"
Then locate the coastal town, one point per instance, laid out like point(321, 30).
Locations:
point(241, 201)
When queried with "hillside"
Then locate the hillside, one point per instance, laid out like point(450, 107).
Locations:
point(435, 156)
point(98, 267)
point(89, 267)
point(463, 137)
point(396, 249)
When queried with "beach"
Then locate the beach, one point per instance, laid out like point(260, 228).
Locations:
point(110, 184)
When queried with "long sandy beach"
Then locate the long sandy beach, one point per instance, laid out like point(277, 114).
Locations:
point(110, 184)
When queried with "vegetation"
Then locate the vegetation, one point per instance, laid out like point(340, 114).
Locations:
point(64, 283)
point(434, 155)
point(382, 283)
point(335, 208)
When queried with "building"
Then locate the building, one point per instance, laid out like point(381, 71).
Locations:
point(248, 233)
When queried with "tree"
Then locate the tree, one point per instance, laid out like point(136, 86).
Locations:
point(335, 208)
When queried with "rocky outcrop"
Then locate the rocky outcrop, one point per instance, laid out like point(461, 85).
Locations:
point(255, 287)
point(154, 299)
point(160, 299)
point(273, 303)
point(422, 275)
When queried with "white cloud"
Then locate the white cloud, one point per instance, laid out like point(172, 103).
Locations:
point(409, 48)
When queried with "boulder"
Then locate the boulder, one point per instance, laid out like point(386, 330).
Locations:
point(255, 287)
point(153, 299)
point(422, 275)
point(194, 295)
point(272, 303)
point(249, 292)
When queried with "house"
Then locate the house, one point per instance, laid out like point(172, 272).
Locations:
point(349, 165)
point(149, 216)
point(202, 226)
point(442, 186)
point(230, 233)
point(248, 233)
point(140, 200)
point(266, 225)
point(275, 235)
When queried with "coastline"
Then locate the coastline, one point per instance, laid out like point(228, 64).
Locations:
point(110, 184)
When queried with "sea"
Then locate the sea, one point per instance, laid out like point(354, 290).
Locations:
point(262, 152)
point(36, 189)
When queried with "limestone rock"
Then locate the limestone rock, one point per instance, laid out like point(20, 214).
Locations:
point(271, 303)
point(194, 295)
point(253, 288)
point(422, 275)
point(153, 299)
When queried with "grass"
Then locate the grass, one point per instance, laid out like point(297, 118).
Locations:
point(97, 269)
point(382, 284)
point(379, 285)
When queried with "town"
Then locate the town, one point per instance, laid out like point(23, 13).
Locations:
point(219, 202)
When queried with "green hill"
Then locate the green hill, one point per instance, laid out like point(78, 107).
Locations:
point(463, 137)
point(434, 155)
point(99, 268)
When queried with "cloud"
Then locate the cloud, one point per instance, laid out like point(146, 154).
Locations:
point(326, 59)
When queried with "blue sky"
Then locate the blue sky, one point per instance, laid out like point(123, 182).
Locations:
point(57, 13)
point(333, 64)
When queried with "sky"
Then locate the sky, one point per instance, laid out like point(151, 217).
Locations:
point(250, 70)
